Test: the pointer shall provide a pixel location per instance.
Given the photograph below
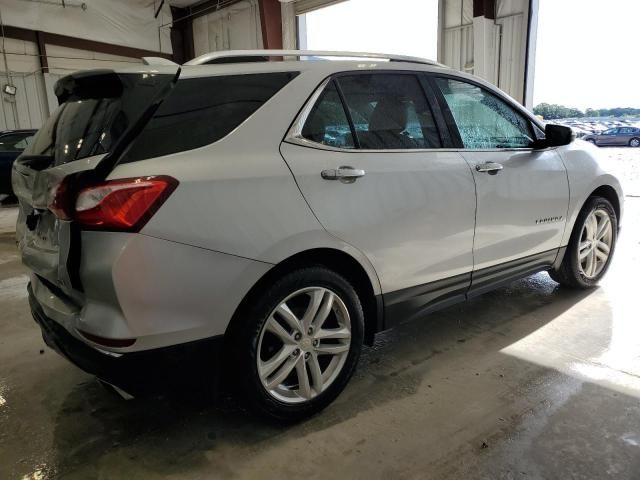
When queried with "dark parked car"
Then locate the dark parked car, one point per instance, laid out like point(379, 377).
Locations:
point(620, 136)
point(12, 143)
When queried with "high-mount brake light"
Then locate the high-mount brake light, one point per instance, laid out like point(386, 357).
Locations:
point(124, 204)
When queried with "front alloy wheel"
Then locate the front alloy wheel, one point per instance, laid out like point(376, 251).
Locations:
point(590, 247)
point(304, 344)
point(595, 243)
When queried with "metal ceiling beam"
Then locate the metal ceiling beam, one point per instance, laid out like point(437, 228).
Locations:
point(40, 37)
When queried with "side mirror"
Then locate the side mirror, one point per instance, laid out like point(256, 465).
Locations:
point(555, 136)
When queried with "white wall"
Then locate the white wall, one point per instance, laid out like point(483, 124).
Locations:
point(497, 53)
point(232, 28)
point(29, 107)
point(129, 23)
point(120, 22)
point(35, 99)
point(66, 60)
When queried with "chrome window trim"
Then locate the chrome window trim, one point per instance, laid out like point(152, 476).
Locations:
point(304, 142)
point(295, 132)
point(294, 135)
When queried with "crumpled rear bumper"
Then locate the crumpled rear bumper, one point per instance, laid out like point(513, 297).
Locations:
point(185, 366)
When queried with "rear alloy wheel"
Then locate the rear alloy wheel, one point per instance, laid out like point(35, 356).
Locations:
point(299, 344)
point(634, 142)
point(301, 354)
point(591, 246)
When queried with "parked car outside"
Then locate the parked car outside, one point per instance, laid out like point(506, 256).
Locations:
point(618, 136)
point(12, 143)
point(271, 217)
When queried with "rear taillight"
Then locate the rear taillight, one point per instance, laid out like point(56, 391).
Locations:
point(61, 201)
point(123, 204)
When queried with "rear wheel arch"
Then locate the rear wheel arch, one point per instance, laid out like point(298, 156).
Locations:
point(335, 260)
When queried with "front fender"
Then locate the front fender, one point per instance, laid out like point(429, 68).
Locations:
point(587, 170)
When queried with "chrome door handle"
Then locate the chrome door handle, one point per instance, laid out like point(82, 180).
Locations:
point(490, 167)
point(345, 174)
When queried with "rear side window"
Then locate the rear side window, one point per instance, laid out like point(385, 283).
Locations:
point(327, 122)
point(483, 120)
point(389, 111)
point(200, 111)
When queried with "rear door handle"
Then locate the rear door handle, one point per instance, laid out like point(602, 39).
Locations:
point(345, 174)
point(490, 167)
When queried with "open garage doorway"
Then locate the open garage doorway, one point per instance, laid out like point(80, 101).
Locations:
point(586, 77)
point(406, 27)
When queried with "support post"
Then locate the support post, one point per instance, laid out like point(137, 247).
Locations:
point(530, 56)
point(289, 33)
point(271, 23)
point(485, 47)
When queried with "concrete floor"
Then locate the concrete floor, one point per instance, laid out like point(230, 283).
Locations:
point(530, 381)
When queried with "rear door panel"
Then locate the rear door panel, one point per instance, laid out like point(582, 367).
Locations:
point(412, 214)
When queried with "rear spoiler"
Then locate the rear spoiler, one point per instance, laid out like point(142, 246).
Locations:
point(89, 84)
point(157, 61)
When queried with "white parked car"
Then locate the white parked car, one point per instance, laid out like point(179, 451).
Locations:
point(281, 213)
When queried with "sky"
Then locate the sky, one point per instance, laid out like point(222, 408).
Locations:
point(587, 54)
point(411, 28)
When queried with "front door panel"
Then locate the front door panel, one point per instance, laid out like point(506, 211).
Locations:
point(412, 213)
point(522, 208)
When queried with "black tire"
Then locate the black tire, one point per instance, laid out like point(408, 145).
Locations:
point(569, 274)
point(634, 142)
point(592, 141)
point(245, 338)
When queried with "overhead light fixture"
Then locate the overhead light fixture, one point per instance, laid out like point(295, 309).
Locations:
point(10, 89)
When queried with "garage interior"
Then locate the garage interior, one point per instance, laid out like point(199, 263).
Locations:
point(528, 381)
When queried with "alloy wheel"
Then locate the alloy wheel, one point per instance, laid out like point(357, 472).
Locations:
point(634, 142)
point(595, 244)
point(304, 345)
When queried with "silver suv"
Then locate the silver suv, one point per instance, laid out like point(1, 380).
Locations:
point(265, 219)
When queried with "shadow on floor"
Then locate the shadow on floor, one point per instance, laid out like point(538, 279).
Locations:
point(169, 435)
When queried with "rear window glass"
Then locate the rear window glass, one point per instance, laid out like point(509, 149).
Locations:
point(92, 120)
point(200, 111)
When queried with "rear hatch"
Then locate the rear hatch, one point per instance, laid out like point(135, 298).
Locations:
point(101, 112)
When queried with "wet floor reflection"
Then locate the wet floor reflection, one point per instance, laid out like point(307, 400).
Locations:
point(530, 378)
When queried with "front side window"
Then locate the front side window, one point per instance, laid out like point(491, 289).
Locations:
point(389, 111)
point(483, 120)
point(327, 122)
point(611, 131)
